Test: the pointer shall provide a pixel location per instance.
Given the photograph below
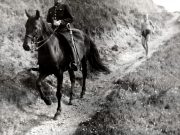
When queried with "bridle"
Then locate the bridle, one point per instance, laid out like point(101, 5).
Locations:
point(34, 40)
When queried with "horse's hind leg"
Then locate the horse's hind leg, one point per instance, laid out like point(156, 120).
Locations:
point(42, 76)
point(84, 72)
point(59, 93)
point(72, 78)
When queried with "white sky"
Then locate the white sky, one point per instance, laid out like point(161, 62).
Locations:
point(170, 5)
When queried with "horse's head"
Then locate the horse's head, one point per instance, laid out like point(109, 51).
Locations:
point(33, 30)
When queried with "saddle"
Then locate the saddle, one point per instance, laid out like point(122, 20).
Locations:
point(75, 43)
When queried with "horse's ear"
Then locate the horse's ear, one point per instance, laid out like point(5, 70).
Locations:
point(27, 14)
point(37, 14)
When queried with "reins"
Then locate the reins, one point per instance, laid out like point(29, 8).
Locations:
point(46, 40)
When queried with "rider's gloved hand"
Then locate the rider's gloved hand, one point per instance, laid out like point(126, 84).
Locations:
point(57, 23)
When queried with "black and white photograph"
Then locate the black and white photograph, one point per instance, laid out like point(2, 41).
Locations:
point(89, 67)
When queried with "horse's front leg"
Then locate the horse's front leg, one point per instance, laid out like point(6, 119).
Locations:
point(42, 76)
point(59, 93)
point(72, 78)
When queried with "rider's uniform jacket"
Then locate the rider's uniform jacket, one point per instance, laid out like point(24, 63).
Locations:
point(59, 12)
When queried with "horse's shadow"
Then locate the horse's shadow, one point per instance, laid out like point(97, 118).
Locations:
point(49, 87)
point(18, 90)
point(66, 93)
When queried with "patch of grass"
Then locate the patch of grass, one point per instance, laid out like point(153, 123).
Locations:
point(106, 121)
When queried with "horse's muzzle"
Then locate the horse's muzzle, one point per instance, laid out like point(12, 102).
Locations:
point(26, 47)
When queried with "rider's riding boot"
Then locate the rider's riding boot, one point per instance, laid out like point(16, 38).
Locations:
point(73, 66)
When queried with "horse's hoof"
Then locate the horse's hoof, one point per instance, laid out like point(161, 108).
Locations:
point(70, 103)
point(56, 116)
point(47, 101)
point(82, 95)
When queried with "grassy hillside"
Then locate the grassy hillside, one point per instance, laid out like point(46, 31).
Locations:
point(90, 15)
point(105, 15)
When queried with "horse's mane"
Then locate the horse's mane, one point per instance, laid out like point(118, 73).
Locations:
point(47, 29)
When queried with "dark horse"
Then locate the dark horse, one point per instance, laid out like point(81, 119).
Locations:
point(54, 56)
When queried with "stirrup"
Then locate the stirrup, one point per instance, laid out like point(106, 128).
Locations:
point(73, 66)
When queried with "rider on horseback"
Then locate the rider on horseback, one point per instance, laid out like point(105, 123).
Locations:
point(59, 16)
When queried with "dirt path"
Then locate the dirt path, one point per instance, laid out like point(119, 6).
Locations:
point(129, 60)
point(83, 109)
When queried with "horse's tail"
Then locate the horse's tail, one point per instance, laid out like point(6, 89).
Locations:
point(95, 62)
